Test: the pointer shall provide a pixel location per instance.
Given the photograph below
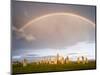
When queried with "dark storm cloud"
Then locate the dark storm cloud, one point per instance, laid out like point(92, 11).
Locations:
point(23, 12)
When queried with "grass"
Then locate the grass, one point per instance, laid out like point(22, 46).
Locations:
point(35, 68)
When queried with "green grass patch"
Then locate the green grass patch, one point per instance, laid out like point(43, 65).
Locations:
point(39, 68)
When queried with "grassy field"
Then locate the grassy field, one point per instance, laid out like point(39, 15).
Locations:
point(35, 68)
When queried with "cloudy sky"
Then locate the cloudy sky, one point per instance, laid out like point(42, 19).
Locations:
point(44, 29)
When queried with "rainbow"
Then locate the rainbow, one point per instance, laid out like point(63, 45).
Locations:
point(53, 14)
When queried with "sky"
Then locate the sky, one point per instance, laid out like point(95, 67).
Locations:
point(45, 29)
